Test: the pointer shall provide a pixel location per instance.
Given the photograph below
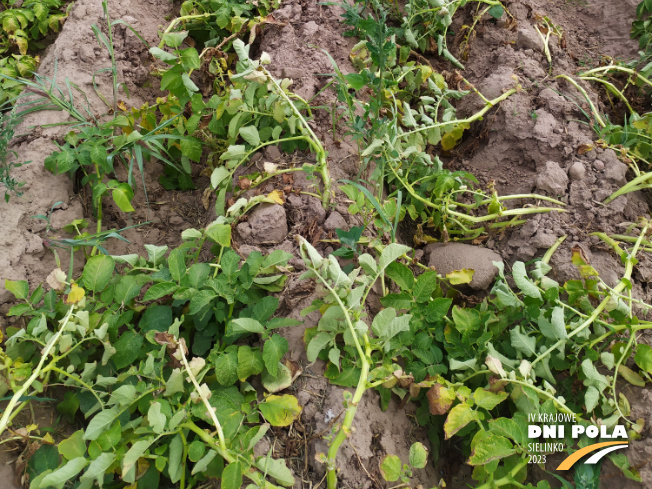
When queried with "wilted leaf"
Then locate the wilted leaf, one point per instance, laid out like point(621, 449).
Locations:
point(440, 399)
point(280, 410)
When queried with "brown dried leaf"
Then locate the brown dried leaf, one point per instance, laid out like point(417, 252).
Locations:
point(295, 369)
point(164, 338)
point(206, 197)
point(244, 183)
point(57, 279)
point(440, 399)
point(414, 390)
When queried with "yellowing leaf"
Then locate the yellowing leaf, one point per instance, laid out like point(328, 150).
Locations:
point(630, 376)
point(458, 277)
point(440, 399)
point(76, 294)
point(448, 142)
point(48, 439)
point(487, 447)
point(458, 418)
point(276, 196)
point(122, 106)
point(280, 410)
point(641, 124)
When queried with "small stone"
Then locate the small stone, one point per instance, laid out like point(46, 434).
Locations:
point(245, 249)
point(79, 12)
point(499, 81)
point(68, 54)
point(615, 171)
point(62, 217)
point(244, 230)
point(34, 244)
point(176, 220)
point(310, 29)
point(528, 38)
point(335, 221)
point(545, 128)
point(448, 257)
point(577, 171)
point(295, 200)
point(598, 165)
point(554, 101)
point(292, 73)
point(267, 224)
point(543, 239)
point(602, 194)
point(552, 179)
point(314, 208)
point(86, 53)
point(272, 153)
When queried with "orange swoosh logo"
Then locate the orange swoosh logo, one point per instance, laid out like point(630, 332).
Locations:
point(570, 460)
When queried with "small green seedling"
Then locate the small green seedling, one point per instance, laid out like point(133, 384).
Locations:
point(393, 470)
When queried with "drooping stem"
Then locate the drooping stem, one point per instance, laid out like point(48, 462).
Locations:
point(362, 386)
point(345, 429)
point(209, 408)
point(180, 19)
point(37, 371)
point(251, 473)
point(605, 69)
point(596, 114)
point(624, 281)
point(551, 251)
point(316, 143)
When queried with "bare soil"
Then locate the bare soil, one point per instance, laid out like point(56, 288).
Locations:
point(527, 144)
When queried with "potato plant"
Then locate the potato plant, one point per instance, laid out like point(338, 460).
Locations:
point(478, 372)
point(642, 27)
point(154, 358)
point(259, 111)
point(23, 25)
point(410, 110)
point(173, 369)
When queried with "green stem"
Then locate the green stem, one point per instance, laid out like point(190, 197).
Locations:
point(180, 19)
point(611, 87)
point(543, 393)
point(614, 382)
point(37, 371)
point(351, 406)
point(638, 183)
point(316, 143)
point(508, 479)
point(618, 329)
point(77, 379)
point(251, 473)
point(629, 268)
point(184, 457)
point(345, 429)
point(605, 69)
point(551, 251)
point(596, 114)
